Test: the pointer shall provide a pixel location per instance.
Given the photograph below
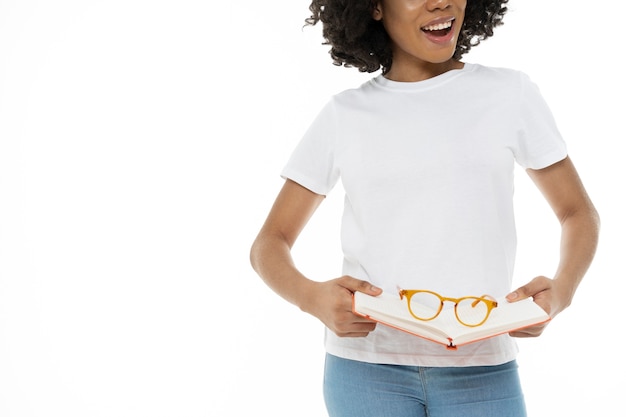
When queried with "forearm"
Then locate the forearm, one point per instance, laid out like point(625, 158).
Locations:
point(579, 240)
point(580, 226)
point(331, 300)
point(271, 258)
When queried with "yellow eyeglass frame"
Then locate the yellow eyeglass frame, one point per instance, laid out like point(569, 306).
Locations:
point(487, 299)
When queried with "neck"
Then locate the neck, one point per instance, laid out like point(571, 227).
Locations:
point(421, 72)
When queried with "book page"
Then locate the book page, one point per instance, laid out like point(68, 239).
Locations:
point(391, 310)
point(503, 319)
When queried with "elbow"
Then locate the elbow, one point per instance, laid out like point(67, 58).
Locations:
point(596, 220)
point(593, 218)
point(584, 223)
point(586, 214)
point(260, 251)
point(254, 254)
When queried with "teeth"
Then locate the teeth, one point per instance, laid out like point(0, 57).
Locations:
point(439, 26)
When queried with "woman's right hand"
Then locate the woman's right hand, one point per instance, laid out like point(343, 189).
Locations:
point(331, 302)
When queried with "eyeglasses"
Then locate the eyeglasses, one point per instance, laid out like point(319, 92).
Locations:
point(469, 311)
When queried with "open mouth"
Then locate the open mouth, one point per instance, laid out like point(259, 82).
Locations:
point(438, 29)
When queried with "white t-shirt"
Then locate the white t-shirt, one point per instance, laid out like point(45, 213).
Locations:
point(427, 169)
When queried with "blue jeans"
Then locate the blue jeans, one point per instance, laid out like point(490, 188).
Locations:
point(359, 389)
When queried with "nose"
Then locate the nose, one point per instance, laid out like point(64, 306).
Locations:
point(437, 4)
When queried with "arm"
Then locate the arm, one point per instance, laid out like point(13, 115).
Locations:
point(580, 225)
point(270, 256)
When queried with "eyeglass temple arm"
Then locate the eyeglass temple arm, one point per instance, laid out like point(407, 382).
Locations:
point(486, 297)
point(402, 292)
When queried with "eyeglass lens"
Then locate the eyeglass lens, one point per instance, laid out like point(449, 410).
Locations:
point(470, 311)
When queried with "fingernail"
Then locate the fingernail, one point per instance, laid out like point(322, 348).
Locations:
point(512, 296)
point(376, 289)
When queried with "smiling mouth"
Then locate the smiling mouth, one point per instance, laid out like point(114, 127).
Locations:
point(438, 29)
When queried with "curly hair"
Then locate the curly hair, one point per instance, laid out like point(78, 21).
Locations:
point(358, 40)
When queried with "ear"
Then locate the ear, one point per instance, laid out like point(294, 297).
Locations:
point(377, 13)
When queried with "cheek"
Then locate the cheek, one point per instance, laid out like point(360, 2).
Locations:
point(400, 27)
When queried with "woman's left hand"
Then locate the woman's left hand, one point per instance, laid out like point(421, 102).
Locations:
point(549, 294)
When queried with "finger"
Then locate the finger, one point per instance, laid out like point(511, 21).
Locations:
point(353, 334)
point(361, 320)
point(529, 290)
point(349, 321)
point(364, 327)
point(356, 330)
point(526, 334)
point(354, 285)
point(521, 335)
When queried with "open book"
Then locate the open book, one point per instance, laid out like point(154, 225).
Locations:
point(390, 310)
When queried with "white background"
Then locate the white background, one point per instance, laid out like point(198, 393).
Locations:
point(140, 146)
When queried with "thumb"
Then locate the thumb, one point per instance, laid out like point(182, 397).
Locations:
point(529, 290)
point(354, 285)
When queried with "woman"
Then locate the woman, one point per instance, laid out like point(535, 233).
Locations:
point(425, 152)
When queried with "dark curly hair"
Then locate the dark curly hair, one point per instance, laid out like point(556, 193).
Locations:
point(357, 40)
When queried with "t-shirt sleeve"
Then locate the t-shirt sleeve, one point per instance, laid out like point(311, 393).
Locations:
point(539, 141)
point(312, 163)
